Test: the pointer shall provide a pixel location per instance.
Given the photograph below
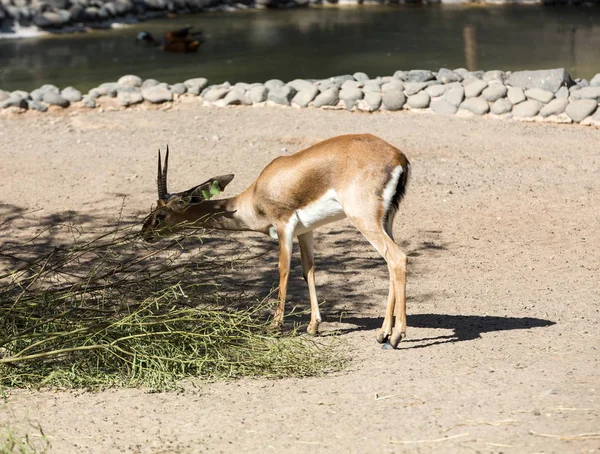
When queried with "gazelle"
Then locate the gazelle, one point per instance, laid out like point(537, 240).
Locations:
point(361, 177)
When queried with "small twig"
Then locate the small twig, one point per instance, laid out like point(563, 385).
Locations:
point(435, 440)
point(585, 436)
point(488, 423)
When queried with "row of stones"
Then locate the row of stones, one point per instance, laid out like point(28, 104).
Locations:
point(547, 94)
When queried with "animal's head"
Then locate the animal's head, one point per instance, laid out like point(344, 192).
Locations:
point(172, 210)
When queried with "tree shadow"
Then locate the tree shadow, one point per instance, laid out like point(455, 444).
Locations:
point(464, 327)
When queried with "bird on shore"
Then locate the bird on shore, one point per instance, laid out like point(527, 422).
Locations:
point(177, 41)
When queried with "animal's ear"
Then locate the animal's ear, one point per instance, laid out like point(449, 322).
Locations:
point(206, 190)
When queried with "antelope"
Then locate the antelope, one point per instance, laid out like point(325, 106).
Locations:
point(358, 176)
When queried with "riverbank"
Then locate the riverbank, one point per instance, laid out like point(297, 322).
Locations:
point(542, 95)
point(25, 18)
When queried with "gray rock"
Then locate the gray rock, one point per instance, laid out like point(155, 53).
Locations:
point(130, 80)
point(36, 105)
point(543, 96)
point(351, 84)
point(349, 96)
point(281, 95)
point(595, 82)
point(582, 83)
point(4, 95)
point(393, 99)
point(273, 84)
point(301, 84)
point(257, 94)
point(329, 97)
point(178, 89)
point(157, 94)
point(394, 84)
point(36, 95)
point(562, 93)
point(478, 74)
point(372, 86)
point(478, 106)
point(71, 94)
point(325, 84)
point(400, 75)
point(339, 80)
point(546, 79)
point(304, 97)
point(455, 96)
point(527, 109)
point(501, 106)
point(587, 93)
point(419, 101)
point(581, 109)
point(89, 102)
point(370, 103)
point(150, 83)
point(243, 85)
point(94, 94)
point(494, 75)
point(49, 19)
point(494, 92)
point(470, 79)
point(361, 77)
point(14, 101)
point(475, 88)
point(214, 93)
point(412, 88)
point(130, 97)
point(21, 94)
point(554, 107)
point(195, 85)
point(515, 95)
point(55, 99)
point(446, 76)
point(418, 75)
point(441, 106)
point(436, 90)
point(236, 97)
point(108, 89)
point(462, 71)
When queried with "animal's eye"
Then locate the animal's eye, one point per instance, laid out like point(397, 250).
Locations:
point(160, 217)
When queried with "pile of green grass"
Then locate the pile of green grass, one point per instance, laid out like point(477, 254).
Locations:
point(110, 312)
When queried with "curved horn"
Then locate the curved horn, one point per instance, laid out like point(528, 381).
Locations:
point(161, 179)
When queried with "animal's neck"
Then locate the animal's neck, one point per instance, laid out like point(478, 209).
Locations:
point(224, 214)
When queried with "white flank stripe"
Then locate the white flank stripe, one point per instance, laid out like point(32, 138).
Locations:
point(390, 188)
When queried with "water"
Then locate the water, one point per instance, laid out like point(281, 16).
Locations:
point(254, 46)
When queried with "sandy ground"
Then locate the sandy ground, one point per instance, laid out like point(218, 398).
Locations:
point(501, 227)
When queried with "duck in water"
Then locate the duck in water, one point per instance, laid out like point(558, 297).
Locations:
point(178, 41)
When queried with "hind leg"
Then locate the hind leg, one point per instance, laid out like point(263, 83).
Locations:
point(378, 236)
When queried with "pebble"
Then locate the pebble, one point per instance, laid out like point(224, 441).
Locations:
point(580, 109)
point(36, 105)
point(329, 97)
point(441, 106)
point(273, 84)
point(350, 96)
point(494, 92)
point(71, 94)
point(435, 91)
point(281, 94)
point(55, 99)
point(370, 103)
point(475, 88)
point(501, 106)
point(178, 89)
point(304, 97)
point(554, 107)
point(412, 88)
point(587, 93)
point(130, 81)
point(257, 94)
point(130, 97)
point(157, 94)
point(527, 109)
point(478, 106)
point(446, 76)
point(516, 95)
point(543, 96)
point(14, 101)
point(419, 101)
point(393, 99)
point(455, 96)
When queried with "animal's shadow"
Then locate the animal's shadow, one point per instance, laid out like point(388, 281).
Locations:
point(464, 327)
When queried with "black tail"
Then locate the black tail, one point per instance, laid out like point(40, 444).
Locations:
point(401, 187)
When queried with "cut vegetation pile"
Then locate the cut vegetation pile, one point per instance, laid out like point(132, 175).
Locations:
point(111, 312)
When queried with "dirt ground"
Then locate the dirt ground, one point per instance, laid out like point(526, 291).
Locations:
point(500, 223)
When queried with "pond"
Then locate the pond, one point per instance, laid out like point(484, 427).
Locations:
point(317, 42)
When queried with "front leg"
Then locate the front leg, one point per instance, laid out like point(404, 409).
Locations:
point(285, 236)
point(308, 269)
